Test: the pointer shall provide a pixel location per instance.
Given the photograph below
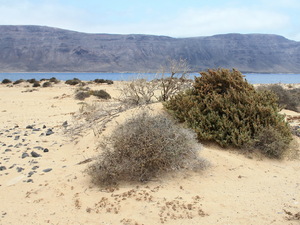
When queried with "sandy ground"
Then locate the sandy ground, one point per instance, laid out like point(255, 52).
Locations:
point(53, 188)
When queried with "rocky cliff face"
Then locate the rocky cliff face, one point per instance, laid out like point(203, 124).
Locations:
point(45, 49)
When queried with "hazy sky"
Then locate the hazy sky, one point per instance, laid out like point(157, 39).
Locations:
point(176, 18)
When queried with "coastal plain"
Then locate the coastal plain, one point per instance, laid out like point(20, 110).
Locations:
point(43, 178)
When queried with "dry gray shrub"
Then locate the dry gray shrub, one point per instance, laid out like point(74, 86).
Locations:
point(138, 91)
point(142, 148)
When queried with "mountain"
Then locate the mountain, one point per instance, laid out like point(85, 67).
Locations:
point(46, 49)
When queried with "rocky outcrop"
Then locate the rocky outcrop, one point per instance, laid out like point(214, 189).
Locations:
point(45, 49)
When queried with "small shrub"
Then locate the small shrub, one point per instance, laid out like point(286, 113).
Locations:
point(101, 94)
point(6, 81)
point(223, 107)
point(142, 148)
point(36, 84)
point(31, 81)
point(47, 84)
point(54, 80)
point(102, 81)
point(270, 142)
point(286, 98)
point(19, 81)
point(74, 81)
point(81, 95)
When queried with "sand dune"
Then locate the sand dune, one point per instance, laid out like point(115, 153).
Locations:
point(53, 188)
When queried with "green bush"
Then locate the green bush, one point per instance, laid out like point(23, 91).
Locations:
point(101, 94)
point(6, 81)
point(223, 107)
point(102, 81)
point(142, 148)
point(287, 99)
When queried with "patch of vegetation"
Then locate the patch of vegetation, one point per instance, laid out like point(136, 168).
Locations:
point(36, 84)
point(47, 84)
point(102, 81)
point(100, 94)
point(74, 81)
point(142, 148)
point(81, 95)
point(6, 81)
point(31, 81)
point(54, 80)
point(223, 107)
point(287, 99)
point(19, 81)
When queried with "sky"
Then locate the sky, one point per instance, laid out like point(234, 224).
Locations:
point(175, 18)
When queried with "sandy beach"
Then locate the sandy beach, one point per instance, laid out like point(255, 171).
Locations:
point(42, 178)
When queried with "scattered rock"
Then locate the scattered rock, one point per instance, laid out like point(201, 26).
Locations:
point(44, 127)
point(17, 138)
point(20, 169)
point(30, 173)
point(47, 170)
point(65, 124)
point(46, 150)
point(38, 148)
point(7, 150)
point(29, 127)
point(29, 181)
point(49, 132)
point(2, 168)
point(24, 155)
point(34, 154)
point(36, 129)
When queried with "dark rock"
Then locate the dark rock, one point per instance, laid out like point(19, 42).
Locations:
point(29, 127)
point(65, 124)
point(17, 137)
point(35, 167)
point(12, 166)
point(7, 150)
point(47, 170)
point(49, 132)
point(44, 127)
point(34, 154)
point(10, 146)
point(38, 148)
point(29, 181)
point(2, 168)
point(20, 169)
point(46, 150)
point(24, 155)
point(31, 173)
point(36, 129)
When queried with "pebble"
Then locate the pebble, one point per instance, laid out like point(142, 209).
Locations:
point(29, 181)
point(30, 173)
point(49, 132)
point(8, 150)
point(20, 169)
point(29, 127)
point(35, 167)
point(34, 154)
point(2, 168)
point(24, 155)
point(17, 138)
point(47, 170)
point(46, 150)
point(38, 147)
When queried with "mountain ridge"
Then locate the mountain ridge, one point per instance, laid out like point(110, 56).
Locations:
point(46, 49)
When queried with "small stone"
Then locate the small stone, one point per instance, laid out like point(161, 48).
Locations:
point(47, 170)
point(34, 154)
point(12, 166)
point(38, 148)
point(49, 132)
point(29, 127)
point(20, 169)
point(17, 138)
point(29, 181)
point(46, 150)
point(65, 124)
point(24, 155)
point(30, 173)
point(7, 150)
point(2, 168)
point(44, 127)
point(35, 167)
point(36, 129)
